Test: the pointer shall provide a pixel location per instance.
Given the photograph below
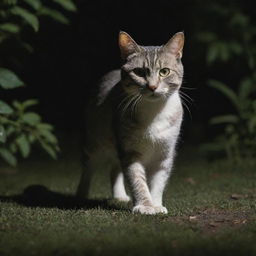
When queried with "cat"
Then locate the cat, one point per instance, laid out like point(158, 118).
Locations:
point(133, 124)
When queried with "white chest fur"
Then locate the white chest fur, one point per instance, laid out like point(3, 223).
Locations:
point(159, 130)
point(166, 124)
point(156, 134)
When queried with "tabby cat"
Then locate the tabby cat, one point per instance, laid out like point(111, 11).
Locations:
point(133, 124)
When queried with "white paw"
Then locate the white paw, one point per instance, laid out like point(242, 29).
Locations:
point(161, 209)
point(142, 209)
point(123, 198)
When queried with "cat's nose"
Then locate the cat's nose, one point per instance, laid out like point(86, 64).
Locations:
point(152, 87)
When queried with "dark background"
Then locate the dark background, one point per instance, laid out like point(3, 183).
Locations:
point(68, 60)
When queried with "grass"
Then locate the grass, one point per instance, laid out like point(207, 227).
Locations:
point(212, 211)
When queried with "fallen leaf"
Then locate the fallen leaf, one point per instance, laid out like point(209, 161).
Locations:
point(236, 196)
point(191, 181)
point(191, 218)
point(239, 221)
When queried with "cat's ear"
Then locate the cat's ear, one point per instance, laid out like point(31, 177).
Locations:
point(175, 45)
point(127, 45)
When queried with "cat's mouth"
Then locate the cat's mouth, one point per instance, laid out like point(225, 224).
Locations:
point(154, 96)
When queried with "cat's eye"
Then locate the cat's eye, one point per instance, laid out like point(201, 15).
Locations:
point(139, 72)
point(164, 72)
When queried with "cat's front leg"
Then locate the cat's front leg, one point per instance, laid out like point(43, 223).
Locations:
point(158, 181)
point(142, 200)
point(157, 185)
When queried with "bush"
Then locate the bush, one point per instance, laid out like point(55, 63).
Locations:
point(20, 127)
point(228, 48)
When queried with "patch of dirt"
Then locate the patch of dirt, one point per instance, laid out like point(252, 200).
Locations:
point(213, 220)
point(210, 221)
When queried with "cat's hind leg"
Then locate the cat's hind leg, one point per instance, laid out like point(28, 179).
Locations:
point(85, 180)
point(118, 187)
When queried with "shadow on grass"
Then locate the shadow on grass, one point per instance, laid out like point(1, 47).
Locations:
point(40, 196)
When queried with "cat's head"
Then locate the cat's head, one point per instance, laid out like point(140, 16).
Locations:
point(154, 72)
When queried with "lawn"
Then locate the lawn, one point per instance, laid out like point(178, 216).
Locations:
point(212, 211)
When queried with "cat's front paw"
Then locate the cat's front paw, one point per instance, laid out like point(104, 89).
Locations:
point(161, 209)
point(142, 209)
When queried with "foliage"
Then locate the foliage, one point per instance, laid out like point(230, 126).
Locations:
point(239, 127)
point(19, 127)
point(234, 46)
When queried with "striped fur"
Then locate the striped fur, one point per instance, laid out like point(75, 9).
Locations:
point(134, 122)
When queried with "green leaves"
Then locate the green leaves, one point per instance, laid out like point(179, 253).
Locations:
point(22, 106)
point(2, 134)
point(29, 103)
point(240, 127)
point(49, 149)
point(36, 4)
point(66, 4)
point(10, 27)
point(45, 131)
point(8, 156)
point(233, 51)
point(23, 145)
point(8, 80)
point(222, 51)
point(20, 129)
point(206, 36)
point(225, 90)
point(27, 16)
point(48, 142)
point(5, 108)
point(212, 54)
point(56, 15)
point(246, 87)
point(224, 119)
point(31, 118)
point(10, 2)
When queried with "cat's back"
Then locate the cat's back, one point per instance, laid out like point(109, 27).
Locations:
point(99, 112)
point(107, 84)
point(99, 108)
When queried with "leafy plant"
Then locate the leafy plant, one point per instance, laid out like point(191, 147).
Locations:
point(239, 137)
point(234, 45)
point(20, 127)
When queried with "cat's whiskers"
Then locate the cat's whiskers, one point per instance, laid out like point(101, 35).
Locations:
point(131, 99)
point(188, 88)
point(183, 101)
point(135, 104)
point(125, 99)
point(186, 96)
